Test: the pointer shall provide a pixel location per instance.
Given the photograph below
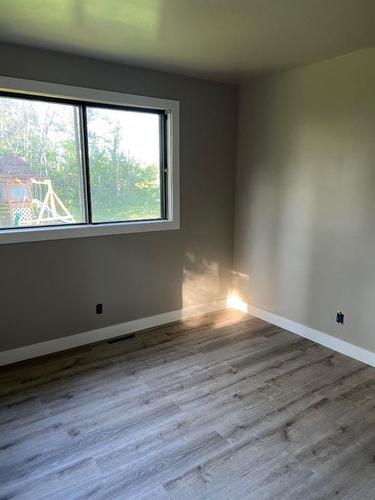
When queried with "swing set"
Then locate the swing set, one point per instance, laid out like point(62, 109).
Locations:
point(19, 204)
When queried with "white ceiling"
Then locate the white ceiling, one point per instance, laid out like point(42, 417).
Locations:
point(227, 40)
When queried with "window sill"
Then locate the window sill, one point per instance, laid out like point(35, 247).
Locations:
point(26, 235)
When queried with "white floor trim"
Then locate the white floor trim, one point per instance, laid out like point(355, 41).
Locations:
point(324, 339)
point(63, 343)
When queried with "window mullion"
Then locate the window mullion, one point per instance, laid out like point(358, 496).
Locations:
point(85, 162)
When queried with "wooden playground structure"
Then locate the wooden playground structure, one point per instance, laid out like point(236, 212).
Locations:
point(19, 205)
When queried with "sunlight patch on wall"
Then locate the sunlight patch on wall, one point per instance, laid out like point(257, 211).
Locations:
point(234, 301)
point(238, 294)
point(201, 280)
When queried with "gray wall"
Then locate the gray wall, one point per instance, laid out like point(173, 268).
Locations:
point(305, 196)
point(49, 289)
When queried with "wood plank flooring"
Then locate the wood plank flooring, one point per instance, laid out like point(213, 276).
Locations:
point(223, 406)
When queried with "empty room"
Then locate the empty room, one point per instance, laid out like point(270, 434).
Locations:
point(187, 242)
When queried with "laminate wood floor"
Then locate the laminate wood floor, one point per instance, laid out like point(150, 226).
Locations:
point(223, 406)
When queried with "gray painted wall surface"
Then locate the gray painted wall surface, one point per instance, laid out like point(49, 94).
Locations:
point(305, 195)
point(49, 289)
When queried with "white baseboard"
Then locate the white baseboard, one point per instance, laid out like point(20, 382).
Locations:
point(324, 339)
point(108, 332)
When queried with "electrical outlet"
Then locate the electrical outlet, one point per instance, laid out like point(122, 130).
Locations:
point(340, 317)
point(99, 308)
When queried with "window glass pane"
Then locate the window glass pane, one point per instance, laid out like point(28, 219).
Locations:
point(124, 160)
point(40, 164)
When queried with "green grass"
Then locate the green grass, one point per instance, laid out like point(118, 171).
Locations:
point(137, 211)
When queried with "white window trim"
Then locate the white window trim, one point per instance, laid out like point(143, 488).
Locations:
point(101, 96)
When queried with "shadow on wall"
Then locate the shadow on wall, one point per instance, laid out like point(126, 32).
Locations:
point(278, 195)
point(305, 198)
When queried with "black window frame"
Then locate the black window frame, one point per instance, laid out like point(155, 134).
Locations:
point(82, 106)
